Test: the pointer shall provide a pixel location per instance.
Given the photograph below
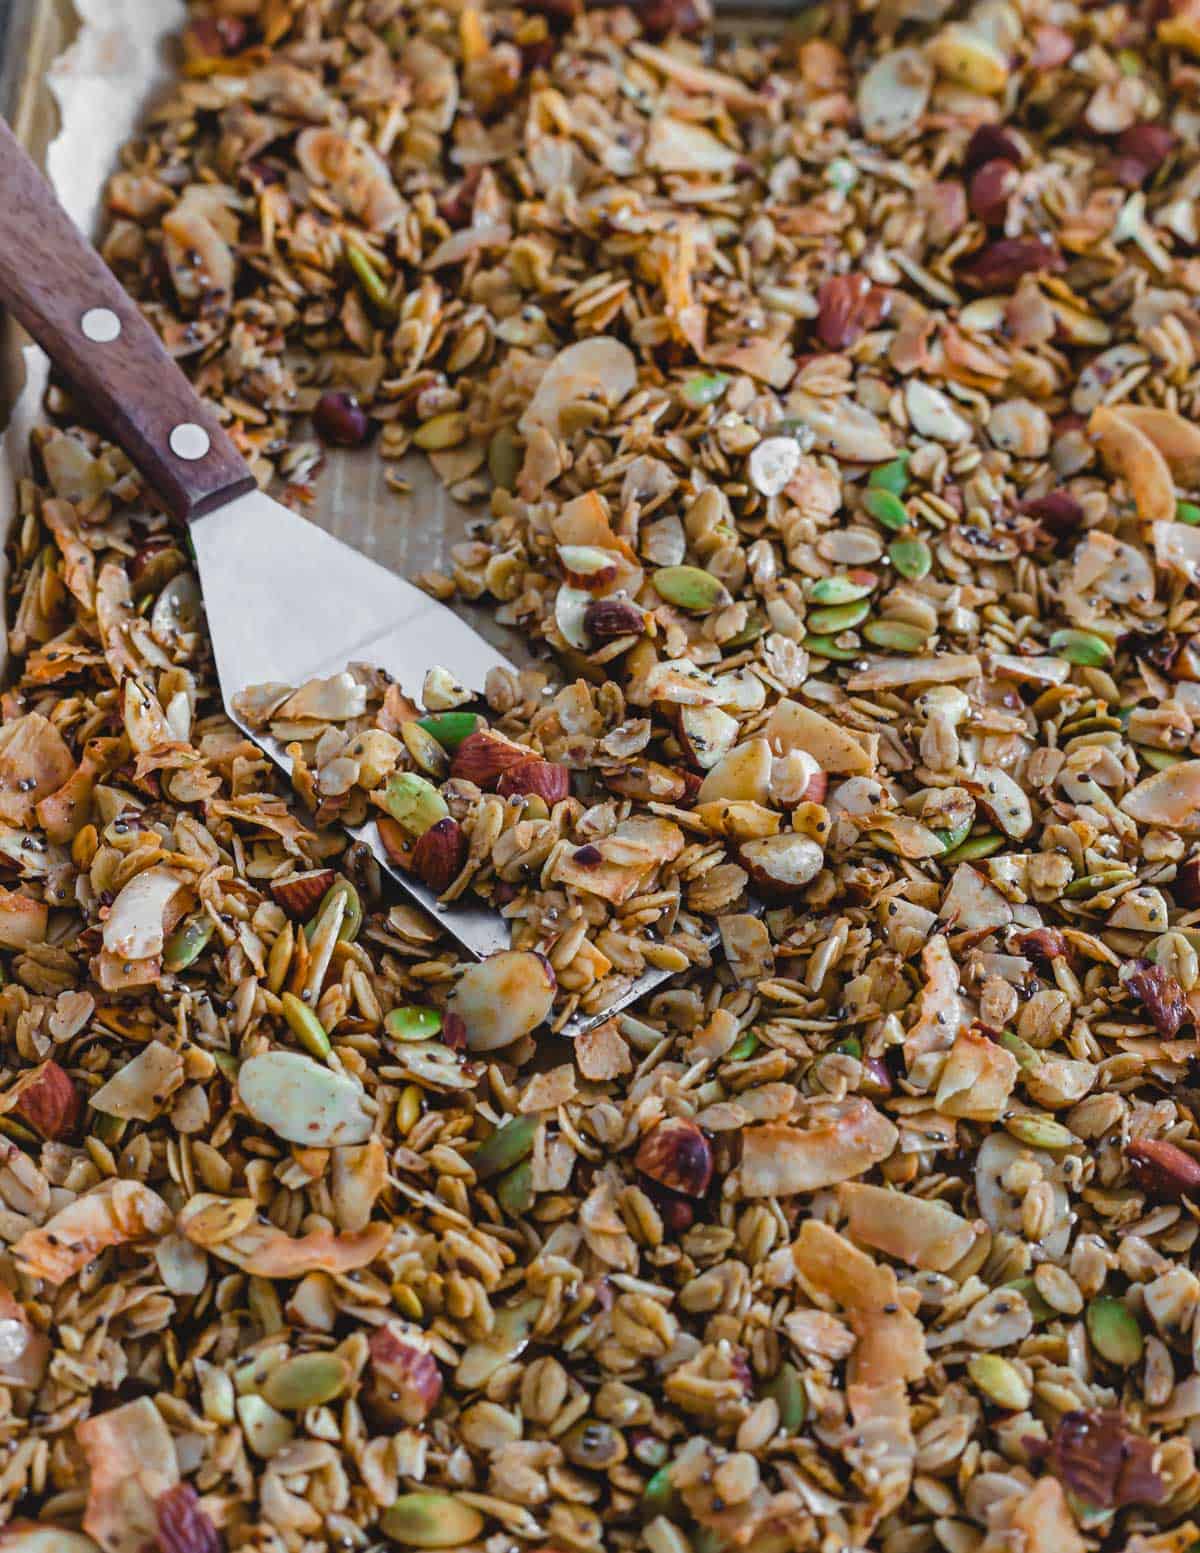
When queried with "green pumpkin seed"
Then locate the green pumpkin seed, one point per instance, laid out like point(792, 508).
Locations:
point(955, 837)
point(658, 1497)
point(1114, 1332)
point(305, 1026)
point(431, 1520)
point(1187, 512)
point(1028, 1057)
point(451, 728)
point(414, 1023)
point(1081, 647)
point(687, 587)
point(892, 476)
point(1029, 1292)
point(851, 1046)
point(188, 942)
point(371, 283)
point(505, 1147)
point(504, 458)
point(441, 431)
point(842, 589)
point(912, 558)
point(266, 1431)
point(1000, 1381)
point(886, 508)
point(414, 803)
point(704, 388)
point(975, 847)
point(826, 647)
point(837, 618)
point(427, 751)
point(352, 917)
point(895, 635)
point(1158, 760)
point(1095, 884)
point(514, 1191)
point(756, 624)
point(1040, 1132)
point(745, 1046)
point(308, 1380)
point(787, 1388)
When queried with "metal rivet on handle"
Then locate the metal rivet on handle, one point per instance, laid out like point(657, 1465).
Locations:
point(100, 325)
point(187, 440)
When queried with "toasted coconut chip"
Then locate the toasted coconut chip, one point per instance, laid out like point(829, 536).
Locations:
point(891, 1342)
point(835, 749)
point(599, 368)
point(111, 1214)
point(940, 1011)
point(266, 1251)
point(1043, 1520)
point(355, 173)
point(916, 1230)
point(34, 762)
point(134, 928)
point(932, 669)
point(23, 921)
point(971, 903)
point(331, 700)
point(1170, 798)
point(141, 1089)
point(30, 1537)
point(779, 1160)
point(132, 1460)
point(977, 1079)
point(1129, 453)
point(1177, 548)
point(24, 1350)
point(1177, 439)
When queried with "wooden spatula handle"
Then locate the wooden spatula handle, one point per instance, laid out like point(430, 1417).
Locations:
point(56, 283)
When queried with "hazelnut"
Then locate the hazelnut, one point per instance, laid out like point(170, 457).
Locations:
point(991, 188)
point(677, 1155)
point(1186, 888)
point(341, 421)
point(403, 1379)
point(608, 619)
point(780, 866)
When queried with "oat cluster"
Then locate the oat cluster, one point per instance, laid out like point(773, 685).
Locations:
point(827, 393)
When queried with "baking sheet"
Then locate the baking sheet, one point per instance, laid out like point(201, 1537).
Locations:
point(88, 76)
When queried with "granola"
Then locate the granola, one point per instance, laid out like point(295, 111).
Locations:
point(828, 395)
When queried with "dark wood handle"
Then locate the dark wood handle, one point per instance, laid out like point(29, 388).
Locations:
point(58, 286)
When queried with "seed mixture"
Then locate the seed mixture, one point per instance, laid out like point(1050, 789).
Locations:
point(828, 397)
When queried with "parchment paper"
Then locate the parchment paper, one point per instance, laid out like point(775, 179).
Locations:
point(120, 57)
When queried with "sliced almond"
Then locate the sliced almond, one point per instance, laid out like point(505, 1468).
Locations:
point(303, 1101)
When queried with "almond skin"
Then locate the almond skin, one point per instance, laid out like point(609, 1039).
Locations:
point(300, 895)
point(537, 778)
point(403, 1381)
point(677, 1155)
point(608, 619)
point(483, 757)
point(1162, 1170)
point(439, 855)
point(46, 1100)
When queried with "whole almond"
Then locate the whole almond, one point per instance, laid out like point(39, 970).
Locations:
point(1162, 1170)
point(537, 778)
point(849, 306)
point(1001, 264)
point(483, 757)
point(301, 894)
point(47, 1100)
point(439, 855)
point(677, 1155)
point(1141, 151)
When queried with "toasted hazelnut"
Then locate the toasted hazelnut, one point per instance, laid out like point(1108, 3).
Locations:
point(483, 757)
point(541, 778)
point(46, 1100)
point(848, 306)
point(608, 619)
point(649, 780)
point(990, 190)
point(1002, 263)
point(300, 894)
point(677, 1155)
point(1162, 1170)
point(403, 1379)
point(989, 143)
point(1160, 995)
point(439, 855)
point(780, 866)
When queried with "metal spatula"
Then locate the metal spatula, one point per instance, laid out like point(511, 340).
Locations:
point(284, 600)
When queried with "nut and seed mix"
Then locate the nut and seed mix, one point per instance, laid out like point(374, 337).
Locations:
point(829, 400)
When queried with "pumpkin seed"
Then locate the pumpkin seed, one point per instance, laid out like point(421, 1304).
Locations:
point(451, 728)
point(303, 1102)
point(515, 1192)
point(1081, 647)
point(1000, 1381)
point(442, 431)
point(305, 1026)
point(1039, 1308)
point(886, 508)
point(266, 1430)
point(704, 388)
point(1114, 1332)
point(371, 283)
point(1158, 760)
point(1027, 1056)
point(505, 1147)
point(188, 942)
point(892, 476)
point(956, 836)
point(425, 750)
point(415, 804)
point(504, 458)
point(1091, 885)
point(1187, 512)
point(826, 647)
point(658, 1497)
point(1040, 1132)
point(787, 1388)
point(837, 618)
point(756, 624)
point(851, 1046)
point(414, 1023)
point(431, 1520)
point(745, 1046)
point(912, 558)
point(352, 917)
point(687, 587)
point(975, 847)
point(307, 1380)
point(842, 589)
point(895, 635)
